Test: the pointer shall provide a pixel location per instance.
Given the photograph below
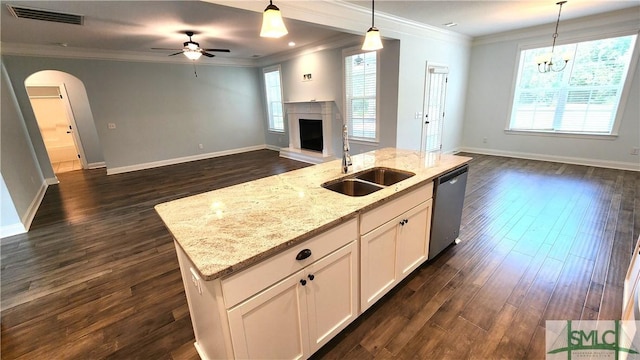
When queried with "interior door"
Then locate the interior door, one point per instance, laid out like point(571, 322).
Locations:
point(436, 79)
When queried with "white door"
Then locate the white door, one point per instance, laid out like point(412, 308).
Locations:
point(377, 263)
point(272, 324)
point(332, 294)
point(436, 80)
point(413, 239)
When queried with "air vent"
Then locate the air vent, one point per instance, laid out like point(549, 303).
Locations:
point(22, 12)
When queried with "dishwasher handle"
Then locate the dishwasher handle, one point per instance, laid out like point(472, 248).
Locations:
point(453, 174)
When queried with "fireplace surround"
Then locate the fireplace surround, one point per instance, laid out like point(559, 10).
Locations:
point(324, 111)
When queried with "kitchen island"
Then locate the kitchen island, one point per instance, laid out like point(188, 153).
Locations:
point(276, 267)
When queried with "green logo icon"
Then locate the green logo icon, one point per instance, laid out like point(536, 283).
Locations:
point(611, 339)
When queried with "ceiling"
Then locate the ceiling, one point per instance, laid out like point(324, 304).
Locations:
point(138, 26)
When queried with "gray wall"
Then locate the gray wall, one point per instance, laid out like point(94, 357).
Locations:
point(161, 111)
point(19, 168)
point(491, 81)
point(326, 68)
point(415, 52)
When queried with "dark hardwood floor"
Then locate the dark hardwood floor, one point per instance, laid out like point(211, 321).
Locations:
point(97, 276)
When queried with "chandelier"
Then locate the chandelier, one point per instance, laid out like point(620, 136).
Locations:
point(550, 62)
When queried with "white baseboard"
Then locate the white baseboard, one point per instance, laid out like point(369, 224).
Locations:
point(13, 229)
point(155, 164)
point(52, 181)
point(620, 165)
point(96, 165)
point(272, 147)
point(27, 218)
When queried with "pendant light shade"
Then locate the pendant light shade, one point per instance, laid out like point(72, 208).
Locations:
point(372, 40)
point(272, 24)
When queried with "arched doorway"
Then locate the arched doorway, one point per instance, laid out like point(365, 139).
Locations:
point(61, 107)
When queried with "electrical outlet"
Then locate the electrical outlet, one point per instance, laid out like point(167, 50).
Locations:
point(635, 151)
point(200, 146)
point(111, 126)
point(484, 140)
point(195, 279)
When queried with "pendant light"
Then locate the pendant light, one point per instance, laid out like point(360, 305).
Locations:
point(372, 40)
point(272, 24)
point(547, 63)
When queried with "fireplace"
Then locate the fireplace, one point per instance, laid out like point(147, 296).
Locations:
point(310, 130)
point(311, 134)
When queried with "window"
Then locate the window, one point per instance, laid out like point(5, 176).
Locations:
point(273, 92)
point(581, 99)
point(360, 79)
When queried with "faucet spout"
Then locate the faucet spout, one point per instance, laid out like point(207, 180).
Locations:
point(346, 158)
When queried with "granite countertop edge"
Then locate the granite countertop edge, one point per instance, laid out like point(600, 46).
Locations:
point(218, 247)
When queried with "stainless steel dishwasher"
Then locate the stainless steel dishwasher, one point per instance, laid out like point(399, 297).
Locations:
point(448, 197)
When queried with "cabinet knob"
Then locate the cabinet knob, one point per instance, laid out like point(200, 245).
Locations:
point(402, 222)
point(406, 221)
point(303, 254)
point(311, 277)
point(303, 282)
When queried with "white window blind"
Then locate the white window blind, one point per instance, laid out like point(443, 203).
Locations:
point(273, 92)
point(583, 98)
point(360, 96)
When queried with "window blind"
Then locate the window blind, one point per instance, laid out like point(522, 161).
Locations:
point(583, 98)
point(360, 95)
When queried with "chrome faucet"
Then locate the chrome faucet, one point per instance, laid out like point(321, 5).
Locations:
point(346, 158)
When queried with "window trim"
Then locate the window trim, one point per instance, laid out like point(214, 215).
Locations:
point(626, 87)
point(266, 70)
point(350, 52)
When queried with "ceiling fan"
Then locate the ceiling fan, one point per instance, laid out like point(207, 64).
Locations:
point(192, 49)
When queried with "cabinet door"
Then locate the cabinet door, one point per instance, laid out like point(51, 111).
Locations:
point(332, 294)
point(413, 239)
point(272, 324)
point(377, 263)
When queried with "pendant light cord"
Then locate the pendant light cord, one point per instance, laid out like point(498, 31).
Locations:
point(555, 34)
point(372, 11)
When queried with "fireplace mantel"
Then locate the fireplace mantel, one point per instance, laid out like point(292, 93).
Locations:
point(314, 110)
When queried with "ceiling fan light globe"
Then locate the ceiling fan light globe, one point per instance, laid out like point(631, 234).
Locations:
point(272, 24)
point(192, 54)
point(372, 40)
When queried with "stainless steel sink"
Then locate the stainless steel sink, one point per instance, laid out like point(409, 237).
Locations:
point(384, 176)
point(352, 187)
point(368, 181)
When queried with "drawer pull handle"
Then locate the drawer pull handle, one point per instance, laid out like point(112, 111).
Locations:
point(303, 254)
point(303, 282)
point(404, 221)
point(311, 277)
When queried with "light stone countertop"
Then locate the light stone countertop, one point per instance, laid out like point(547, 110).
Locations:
point(229, 229)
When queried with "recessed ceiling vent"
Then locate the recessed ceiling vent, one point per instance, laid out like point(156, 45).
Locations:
point(22, 12)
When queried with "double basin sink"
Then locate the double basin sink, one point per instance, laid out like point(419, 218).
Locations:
point(367, 181)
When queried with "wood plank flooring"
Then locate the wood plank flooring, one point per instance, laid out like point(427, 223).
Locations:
point(97, 276)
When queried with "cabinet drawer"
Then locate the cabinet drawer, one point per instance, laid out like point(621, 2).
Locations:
point(380, 215)
point(254, 279)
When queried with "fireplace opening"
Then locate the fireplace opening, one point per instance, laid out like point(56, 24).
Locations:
point(311, 134)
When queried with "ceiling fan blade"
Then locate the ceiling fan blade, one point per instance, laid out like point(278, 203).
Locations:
point(218, 50)
point(178, 53)
point(164, 49)
point(207, 54)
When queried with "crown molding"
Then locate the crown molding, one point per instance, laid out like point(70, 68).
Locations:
point(98, 54)
point(626, 20)
point(349, 18)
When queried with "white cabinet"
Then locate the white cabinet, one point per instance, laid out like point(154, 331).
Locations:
point(394, 242)
point(284, 307)
point(295, 317)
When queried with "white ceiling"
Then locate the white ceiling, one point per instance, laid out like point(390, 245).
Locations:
point(138, 26)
